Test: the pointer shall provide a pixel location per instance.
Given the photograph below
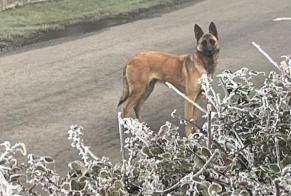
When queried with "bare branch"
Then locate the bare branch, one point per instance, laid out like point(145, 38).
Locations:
point(282, 19)
point(121, 138)
point(209, 126)
point(266, 55)
point(185, 97)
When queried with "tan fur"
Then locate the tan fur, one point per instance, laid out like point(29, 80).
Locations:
point(183, 71)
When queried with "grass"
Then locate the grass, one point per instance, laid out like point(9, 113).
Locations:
point(31, 20)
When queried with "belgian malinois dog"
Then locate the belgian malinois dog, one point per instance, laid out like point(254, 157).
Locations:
point(183, 71)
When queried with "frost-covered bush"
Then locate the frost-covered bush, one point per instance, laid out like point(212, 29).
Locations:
point(244, 148)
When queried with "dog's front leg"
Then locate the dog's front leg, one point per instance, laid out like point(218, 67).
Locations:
point(188, 110)
point(192, 91)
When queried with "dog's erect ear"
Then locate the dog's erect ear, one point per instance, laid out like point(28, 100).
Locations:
point(198, 32)
point(213, 30)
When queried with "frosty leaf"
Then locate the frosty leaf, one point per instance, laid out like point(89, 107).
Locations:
point(146, 151)
point(104, 174)
point(205, 152)
point(286, 161)
point(136, 171)
point(66, 186)
point(117, 185)
point(3, 162)
point(203, 188)
point(166, 155)
point(155, 150)
point(244, 193)
point(48, 160)
point(78, 166)
point(275, 168)
point(286, 170)
point(77, 186)
point(15, 177)
point(198, 163)
point(163, 130)
point(40, 168)
point(214, 189)
point(96, 169)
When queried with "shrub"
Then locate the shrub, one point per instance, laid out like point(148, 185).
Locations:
point(244, 148)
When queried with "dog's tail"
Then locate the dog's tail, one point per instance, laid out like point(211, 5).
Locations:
point(125, 91)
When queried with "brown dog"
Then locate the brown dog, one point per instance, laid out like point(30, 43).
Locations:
point(183, 71)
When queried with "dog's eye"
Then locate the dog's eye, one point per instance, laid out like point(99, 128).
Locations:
point(212, 41)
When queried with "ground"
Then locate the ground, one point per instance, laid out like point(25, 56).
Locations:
point(49, 86)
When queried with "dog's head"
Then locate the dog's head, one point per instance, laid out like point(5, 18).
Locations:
point(207, 43)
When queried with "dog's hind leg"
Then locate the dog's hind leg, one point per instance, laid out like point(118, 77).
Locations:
point(133, 99)
point(138, 107)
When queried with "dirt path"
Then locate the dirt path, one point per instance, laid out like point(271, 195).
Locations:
point(77, 80)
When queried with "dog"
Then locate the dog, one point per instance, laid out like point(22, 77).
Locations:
point(142, 71)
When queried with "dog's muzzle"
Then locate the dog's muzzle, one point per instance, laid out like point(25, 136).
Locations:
point(209, 52)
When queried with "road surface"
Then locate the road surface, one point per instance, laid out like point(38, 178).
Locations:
point(47, 87)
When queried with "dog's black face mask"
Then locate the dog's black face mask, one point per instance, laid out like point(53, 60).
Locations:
point(207, 43)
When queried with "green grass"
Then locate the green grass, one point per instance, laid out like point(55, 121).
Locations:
point(25, 22)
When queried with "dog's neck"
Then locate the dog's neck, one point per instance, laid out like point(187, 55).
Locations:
point(208, 61)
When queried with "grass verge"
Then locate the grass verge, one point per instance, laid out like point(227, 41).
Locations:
point(31, 23)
